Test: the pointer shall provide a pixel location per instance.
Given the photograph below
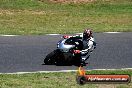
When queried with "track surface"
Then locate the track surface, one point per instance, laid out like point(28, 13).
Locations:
point(26, 53)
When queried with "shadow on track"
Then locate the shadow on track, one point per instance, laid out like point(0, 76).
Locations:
point(66, 64)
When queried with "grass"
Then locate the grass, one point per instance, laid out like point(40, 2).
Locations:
point(35, 17)
point(55, 80)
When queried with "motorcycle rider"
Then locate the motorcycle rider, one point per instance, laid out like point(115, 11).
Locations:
point(89, 44)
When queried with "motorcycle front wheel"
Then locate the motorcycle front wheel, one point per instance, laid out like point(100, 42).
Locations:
point(49, 60)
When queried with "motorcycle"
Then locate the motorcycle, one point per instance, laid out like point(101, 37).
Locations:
point(65, 52)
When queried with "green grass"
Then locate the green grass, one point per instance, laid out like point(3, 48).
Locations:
point(33, 17)
point(55, 80)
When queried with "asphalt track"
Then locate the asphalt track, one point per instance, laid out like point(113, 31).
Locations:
point(26, 53)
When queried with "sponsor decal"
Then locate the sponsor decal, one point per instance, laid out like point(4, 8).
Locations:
point(83, 78)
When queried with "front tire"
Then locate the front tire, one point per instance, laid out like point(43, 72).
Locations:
point(49, 60)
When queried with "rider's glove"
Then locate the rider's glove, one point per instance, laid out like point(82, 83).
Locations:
point(76, 51)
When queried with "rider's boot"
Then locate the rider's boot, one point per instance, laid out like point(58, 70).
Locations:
point(82, 62)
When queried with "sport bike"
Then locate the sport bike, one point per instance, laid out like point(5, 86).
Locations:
point(67, 52)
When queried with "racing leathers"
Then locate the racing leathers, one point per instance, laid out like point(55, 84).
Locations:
point(89, 45)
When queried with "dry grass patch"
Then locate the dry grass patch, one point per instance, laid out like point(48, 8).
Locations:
point(73, 1)
point(13, 12)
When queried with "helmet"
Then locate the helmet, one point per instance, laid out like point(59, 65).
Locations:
point(87, 33)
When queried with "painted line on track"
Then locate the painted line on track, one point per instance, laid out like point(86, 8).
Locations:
point(112, 32)
point(82, 33)
point(59, 34)
point(53, 34)
point(62, 71)
point(9, 35)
